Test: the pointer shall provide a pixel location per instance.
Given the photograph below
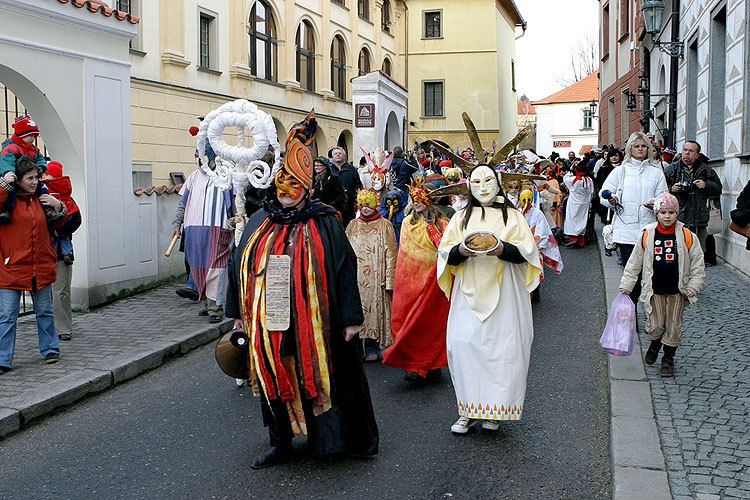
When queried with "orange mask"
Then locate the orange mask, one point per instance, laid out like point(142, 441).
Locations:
point(288, 184)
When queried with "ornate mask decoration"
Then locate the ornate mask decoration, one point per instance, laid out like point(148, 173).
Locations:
point(483, 184)
point(288, 184)
point(526, 198)
point(367, 198)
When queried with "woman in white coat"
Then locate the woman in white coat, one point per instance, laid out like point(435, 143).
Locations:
point(628, 189)
point(580, 188)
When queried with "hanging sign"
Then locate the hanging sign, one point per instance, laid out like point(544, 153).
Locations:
point(278, 287)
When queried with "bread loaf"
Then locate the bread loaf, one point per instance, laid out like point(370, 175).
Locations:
point(481, 242)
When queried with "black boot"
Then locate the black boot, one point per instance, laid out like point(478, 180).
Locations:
point(280, 453)
point(5, 217)
point(653, 352)
point(667, 362)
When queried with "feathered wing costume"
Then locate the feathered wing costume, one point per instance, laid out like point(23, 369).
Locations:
point(310, 379)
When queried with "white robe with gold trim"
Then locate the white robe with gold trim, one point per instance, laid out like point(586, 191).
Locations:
point(490, 326)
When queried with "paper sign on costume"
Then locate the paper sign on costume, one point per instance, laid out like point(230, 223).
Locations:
point(278, 281)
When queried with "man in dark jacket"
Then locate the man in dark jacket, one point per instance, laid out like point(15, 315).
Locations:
point(402, 170)
point(349, 178)
point(693, 182)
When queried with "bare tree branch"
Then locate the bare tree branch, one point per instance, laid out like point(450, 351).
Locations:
point(584, 60)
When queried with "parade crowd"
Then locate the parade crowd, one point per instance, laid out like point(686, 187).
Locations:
point(420, 259)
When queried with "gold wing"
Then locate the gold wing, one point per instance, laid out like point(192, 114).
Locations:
point(505, 150)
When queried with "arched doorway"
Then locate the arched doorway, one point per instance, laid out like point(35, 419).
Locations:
point(345, 141)
point(320, 144)
point(393, 135)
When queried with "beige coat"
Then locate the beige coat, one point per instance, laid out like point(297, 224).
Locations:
point(375, 245)
point(692, 271)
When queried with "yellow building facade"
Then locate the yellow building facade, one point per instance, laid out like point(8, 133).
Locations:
point(286, 56)
point(461, 58)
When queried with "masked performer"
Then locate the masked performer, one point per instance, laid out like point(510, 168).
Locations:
point(374, 242)
point(488, 280)
point(420, 309)
point(302, 360)
point(392, 207)
point(549, 251)
point(581, 189)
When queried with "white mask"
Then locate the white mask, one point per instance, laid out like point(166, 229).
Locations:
point(483, 184)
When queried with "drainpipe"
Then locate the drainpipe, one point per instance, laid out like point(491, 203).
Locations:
point(673, 68)
point(405, 139)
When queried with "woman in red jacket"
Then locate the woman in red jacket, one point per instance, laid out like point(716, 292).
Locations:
point(27, 260)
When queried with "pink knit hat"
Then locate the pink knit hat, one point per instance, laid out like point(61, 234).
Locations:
point(666, 201)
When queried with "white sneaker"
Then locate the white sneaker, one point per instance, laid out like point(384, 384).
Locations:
point(461, 426)
point(490, 425)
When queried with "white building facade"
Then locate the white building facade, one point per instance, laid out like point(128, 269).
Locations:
point(713, 101)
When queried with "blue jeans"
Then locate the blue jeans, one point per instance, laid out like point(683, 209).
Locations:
point(45, 322)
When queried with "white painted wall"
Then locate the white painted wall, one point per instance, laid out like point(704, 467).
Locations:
point(388, 98)
point(563, 122)
point(77, 88)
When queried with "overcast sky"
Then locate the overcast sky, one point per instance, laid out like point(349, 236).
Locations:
point(543, 53)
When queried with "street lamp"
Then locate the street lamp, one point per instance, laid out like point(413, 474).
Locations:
point(592, 108)
point(653, 14)
point(631, 103)
point(644, 84)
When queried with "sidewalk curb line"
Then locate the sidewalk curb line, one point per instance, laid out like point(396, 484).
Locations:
point(627, 376)
point(106, 374)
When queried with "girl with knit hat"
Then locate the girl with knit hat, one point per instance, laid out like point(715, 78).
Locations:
point(20, 144)
point(671, 262)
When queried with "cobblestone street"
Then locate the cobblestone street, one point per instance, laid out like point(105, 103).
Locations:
point(702, 413)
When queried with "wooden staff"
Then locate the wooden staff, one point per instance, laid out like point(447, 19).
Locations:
point(171, 245)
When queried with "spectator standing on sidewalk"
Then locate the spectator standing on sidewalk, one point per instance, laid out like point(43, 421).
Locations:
point(349, 177)
point(672, 268)
point(62, 241)
point(741, 214)
point(628, 190)
point(29, 261)
point(693, 182)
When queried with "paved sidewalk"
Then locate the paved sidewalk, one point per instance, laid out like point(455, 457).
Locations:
point(110, 345)
point(686, 437)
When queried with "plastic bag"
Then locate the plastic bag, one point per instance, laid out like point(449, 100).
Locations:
point(618, 337)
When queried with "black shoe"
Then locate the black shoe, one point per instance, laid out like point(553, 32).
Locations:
point(667, 368)
point(571, 244)
point(202, 312)
point(4, 217)
point(65, 336)
point(187, 293)
point(215, 318)
point(608, 252)
point(4, 369)
point(275, 455)
point(52, 358)
point(433, 375)
point(412, 377)
point(650, 357)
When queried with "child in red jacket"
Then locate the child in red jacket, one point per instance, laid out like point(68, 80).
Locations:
point(59, 186)
point(20, 144)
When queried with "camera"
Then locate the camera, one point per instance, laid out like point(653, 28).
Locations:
point(685, 186)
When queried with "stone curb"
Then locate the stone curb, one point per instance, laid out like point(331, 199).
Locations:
point(638, 465)
point(105, 374)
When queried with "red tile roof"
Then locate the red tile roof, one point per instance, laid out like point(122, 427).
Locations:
point(107, 11)
point(157, 190)
point(525, 108)
point(583, 90)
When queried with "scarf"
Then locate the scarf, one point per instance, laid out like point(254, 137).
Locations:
point(292, 233)
point(374, 216)
point(28, 149)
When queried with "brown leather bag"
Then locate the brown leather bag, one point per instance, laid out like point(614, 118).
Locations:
point(743, 231)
